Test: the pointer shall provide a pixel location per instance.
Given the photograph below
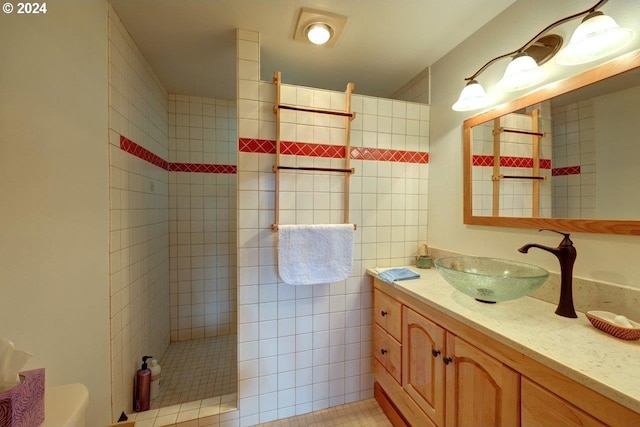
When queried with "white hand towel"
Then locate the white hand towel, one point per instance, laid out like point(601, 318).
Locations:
point(312, 254)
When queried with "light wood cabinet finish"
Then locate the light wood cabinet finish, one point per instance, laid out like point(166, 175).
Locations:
point(387, 312)
point(481, 391)
point(388, 351)
point(423, 373)
point(482, 382)
point(541, 408)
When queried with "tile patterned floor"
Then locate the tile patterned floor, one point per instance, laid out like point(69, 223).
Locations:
point(196, 370)
point(365, 413)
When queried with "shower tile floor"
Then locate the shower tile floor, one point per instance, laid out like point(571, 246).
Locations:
point(197, 370)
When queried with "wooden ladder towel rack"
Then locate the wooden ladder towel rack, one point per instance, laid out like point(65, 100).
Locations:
point(277, 167)
point(535, 177)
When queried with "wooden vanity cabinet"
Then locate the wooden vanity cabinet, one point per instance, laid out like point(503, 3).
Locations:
point(449, 374)
point(423, 373)
point(541, 408)
point(444, 381)
point(453, 382)
point(481, 391)
point(387, 334)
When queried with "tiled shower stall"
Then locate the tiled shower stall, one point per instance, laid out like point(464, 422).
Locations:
point(139, 213)
point(202, 216)
point(173, 228)
point(172, 210)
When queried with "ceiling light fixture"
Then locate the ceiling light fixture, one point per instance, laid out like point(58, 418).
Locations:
point(319, 27)
point(597, 37)
point(318, 33)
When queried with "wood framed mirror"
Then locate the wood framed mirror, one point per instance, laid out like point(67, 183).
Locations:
point(565, 156)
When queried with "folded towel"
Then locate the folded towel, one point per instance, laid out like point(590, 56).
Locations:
point(394, 274)
point(312, 254)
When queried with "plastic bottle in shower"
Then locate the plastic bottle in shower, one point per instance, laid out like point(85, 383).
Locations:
point(155, 378)
point(143, 387)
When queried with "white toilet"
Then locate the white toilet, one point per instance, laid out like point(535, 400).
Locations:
point(65, 406)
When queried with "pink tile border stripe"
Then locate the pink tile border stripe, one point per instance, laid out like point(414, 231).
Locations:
point(146, 155)
point(511, 162)
point(266, 146)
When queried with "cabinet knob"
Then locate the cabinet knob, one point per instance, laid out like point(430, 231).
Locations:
point(447, 360)
point(435, 353)
point(383, 313)
point(383, 351)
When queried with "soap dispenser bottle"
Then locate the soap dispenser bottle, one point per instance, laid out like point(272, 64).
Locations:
point(143, 386)
point(155, 378)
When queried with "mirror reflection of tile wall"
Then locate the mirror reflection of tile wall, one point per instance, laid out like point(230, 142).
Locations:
point(574, 161)
point(516, 159)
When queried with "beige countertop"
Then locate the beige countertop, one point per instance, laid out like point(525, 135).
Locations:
point(572, 347)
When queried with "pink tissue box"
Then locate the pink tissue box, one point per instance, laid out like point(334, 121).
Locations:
point(23, 405)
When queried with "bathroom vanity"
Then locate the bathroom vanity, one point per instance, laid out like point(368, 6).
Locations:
point(441, 358)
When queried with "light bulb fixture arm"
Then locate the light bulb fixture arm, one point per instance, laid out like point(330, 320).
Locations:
point(532, 40)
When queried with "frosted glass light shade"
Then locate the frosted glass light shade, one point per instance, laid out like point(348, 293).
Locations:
point(318, 33)
point(596, 37)
point(522, 72)
point(472, 97)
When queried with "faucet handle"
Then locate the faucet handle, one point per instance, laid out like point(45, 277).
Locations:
point(565, 242)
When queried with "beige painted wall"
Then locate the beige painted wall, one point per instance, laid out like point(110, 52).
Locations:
point(601, 257)
point(54, 289)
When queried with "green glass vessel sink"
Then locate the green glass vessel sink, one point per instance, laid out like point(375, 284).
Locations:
point(491, 279)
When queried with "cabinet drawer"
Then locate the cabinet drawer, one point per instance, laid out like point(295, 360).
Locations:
point(387, 313)
point(388, 352)
point(542, 408)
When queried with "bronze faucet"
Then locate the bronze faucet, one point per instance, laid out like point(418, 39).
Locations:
point(566, 254)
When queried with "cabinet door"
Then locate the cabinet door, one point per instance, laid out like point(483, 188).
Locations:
point(423, 370)
point(542, 408)
point(480, 390)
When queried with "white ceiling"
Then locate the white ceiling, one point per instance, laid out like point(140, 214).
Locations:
point(191, 44)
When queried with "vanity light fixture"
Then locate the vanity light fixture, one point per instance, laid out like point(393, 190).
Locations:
point(472, 97)
point(318, 27)
point(596, 37)
point(522, 72)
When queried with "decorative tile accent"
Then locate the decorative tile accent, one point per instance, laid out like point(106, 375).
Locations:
point(482, 161)
point(363, 153)
point(312, 150)
point(248, 145)
point(202, 168)
point(511, 162)
point(141, 152)
point(569, 170)
point(146, 155)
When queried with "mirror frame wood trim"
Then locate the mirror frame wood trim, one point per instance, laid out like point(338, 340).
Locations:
point(616, 66)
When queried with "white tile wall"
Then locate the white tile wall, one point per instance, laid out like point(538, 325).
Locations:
point(139, 215)
point(574, 196)
point(202, 218)
point(306, 348)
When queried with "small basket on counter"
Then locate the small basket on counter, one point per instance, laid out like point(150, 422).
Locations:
point(424, 261)
point(605, 321)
